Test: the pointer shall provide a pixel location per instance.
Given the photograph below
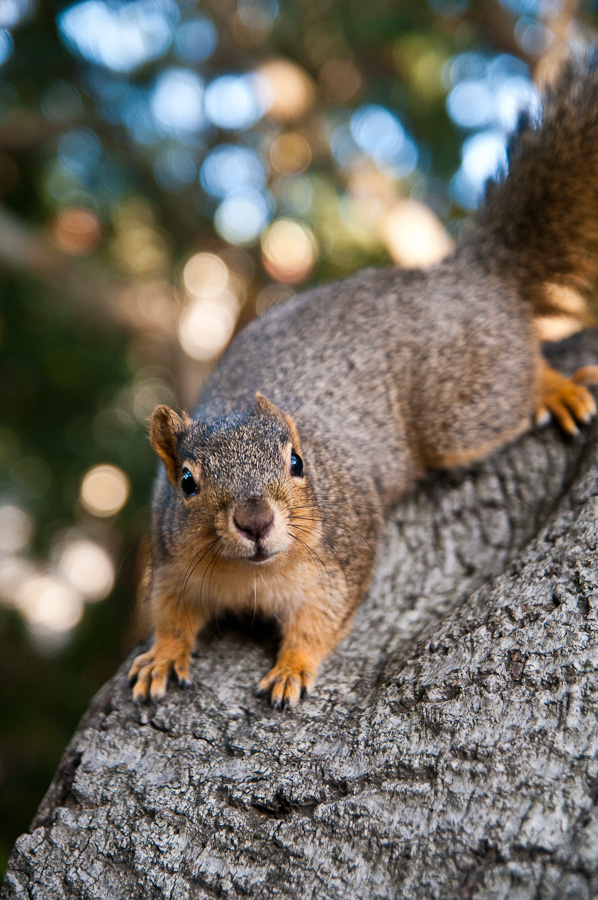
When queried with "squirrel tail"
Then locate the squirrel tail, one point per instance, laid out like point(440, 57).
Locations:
point(539, 222)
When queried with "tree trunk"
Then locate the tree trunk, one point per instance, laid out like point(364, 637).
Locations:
point(448, 751)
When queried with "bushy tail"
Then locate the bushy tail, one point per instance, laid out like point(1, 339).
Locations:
point(539, 223)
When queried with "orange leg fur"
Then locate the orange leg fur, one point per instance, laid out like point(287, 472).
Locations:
point(566, 399)
point(173, 644)
point(307, 639)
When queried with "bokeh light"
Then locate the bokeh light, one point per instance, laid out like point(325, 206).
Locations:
point(16, 528)
point(414, 236)
point(206, 327)
point(51, 609)
point(195, 40)
point(290, 152)
point(104, 490)
point(289, 251)
point(215, 293)
point(471, 104)
point(234, 102)
point(5, 45)
point(77, 231)
point(229, 169)
point(380, 134)
point(177, 101)
point(495, 94)
point(119, 35)
point(286, 90)
point(484, 156)
point(242, 216)
point(534, 37)
point(513, 97)
point(487, 94)
point(12, 12)
point(205, 275)
point(87, 568)
point(257, 15)
point(139, 246)
point(340, 79)
point(14, 571)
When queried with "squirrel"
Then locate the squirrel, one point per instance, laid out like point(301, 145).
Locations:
point(325, 411)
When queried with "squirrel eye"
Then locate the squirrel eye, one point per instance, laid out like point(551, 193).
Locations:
point(296, 465)
point(188, 484)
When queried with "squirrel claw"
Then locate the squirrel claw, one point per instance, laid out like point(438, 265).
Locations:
point(150, 671)
point(567, 400)
point(286, 686)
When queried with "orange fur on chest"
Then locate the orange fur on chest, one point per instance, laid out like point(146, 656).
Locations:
point(272, 589)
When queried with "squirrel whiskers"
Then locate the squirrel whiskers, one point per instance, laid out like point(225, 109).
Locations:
point(207, 555)
point(388, 373)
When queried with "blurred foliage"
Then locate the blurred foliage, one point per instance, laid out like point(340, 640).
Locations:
point(168, 170)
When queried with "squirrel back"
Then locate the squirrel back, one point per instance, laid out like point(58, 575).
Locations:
point(443, 361)
point(325, 411)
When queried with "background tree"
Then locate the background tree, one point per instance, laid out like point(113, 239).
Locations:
point(168, 170)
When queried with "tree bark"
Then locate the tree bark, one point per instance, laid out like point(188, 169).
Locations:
point(448, 751)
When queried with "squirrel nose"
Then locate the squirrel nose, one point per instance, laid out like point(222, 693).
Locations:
point(254, 519)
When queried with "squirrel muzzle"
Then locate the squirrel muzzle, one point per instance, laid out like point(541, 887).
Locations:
point(253, 529)
point(254, 519)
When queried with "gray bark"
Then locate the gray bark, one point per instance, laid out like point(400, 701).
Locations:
point(448, 751)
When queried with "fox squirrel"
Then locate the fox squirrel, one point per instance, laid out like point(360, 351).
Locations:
point(325, 411)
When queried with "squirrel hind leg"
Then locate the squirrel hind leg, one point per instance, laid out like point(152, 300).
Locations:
point(566, 399)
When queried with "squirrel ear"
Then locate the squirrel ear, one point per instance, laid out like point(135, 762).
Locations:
point(265, 407)
point(166, 427)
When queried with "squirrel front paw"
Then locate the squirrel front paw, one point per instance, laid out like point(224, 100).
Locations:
point(150, 670)
point(292, 678)
point(567, 399)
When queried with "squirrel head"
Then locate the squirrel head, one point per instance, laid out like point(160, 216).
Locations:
point(238, 479)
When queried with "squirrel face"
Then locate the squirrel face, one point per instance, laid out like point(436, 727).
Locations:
point(237, 479)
